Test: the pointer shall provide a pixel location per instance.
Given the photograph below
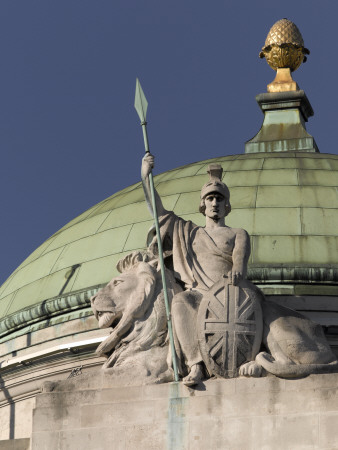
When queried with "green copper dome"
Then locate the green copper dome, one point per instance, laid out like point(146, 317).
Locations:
point(287, 201)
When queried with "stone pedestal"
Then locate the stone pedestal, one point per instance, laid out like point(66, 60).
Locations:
point(283, 128)
point(88, 412)
point(283, 82)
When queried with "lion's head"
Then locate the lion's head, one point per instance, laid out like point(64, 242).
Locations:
point(130, 291)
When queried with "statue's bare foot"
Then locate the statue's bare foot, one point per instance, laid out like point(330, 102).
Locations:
point(250, 369)
point(195, 375)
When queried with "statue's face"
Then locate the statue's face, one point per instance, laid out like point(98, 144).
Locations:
point(215, 206)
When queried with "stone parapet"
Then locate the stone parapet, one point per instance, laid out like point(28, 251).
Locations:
point(89, 412)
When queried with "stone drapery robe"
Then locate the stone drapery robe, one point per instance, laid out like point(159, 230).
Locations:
point(187, 242)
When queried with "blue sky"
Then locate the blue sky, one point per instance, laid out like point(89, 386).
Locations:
point(69, 134)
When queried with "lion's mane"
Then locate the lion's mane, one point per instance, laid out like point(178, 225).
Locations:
point(148, 334)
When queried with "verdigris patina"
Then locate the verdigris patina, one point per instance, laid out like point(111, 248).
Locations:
point(222, 324)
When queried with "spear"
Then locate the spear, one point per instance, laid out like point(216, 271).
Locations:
point(141, 106)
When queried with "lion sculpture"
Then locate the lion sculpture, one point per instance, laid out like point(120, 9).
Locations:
point(295, 345)
point(132, 304)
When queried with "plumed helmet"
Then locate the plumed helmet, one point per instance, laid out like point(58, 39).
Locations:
point(215, 184)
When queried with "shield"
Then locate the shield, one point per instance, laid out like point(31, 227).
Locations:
point(230, 327)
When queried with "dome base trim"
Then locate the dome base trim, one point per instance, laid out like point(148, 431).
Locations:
point(48, 308)
point(293, 274)
point(268, 275)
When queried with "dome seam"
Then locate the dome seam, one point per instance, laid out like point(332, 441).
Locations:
point(10, 303)
point(57, 260)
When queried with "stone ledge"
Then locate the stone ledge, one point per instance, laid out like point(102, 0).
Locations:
point(15, 444)
point(219, 414)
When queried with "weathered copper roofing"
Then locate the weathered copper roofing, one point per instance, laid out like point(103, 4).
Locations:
point(288, 202)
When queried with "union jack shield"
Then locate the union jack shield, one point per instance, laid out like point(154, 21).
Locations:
point(230, 327)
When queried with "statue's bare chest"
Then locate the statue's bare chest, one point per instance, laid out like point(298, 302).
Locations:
point(223, 238)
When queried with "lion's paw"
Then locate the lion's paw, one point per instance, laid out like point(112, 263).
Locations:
point(250, 369)
point(165, 377)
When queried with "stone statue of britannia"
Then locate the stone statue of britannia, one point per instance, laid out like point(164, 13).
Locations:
point(201, 256)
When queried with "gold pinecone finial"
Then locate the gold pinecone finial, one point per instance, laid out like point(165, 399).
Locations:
point(284, 51)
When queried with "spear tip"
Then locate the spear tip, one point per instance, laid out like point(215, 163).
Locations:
point(141, 104)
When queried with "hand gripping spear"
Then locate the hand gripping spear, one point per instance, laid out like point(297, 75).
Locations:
point(141, 106)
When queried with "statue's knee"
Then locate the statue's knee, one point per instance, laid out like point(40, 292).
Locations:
point(179, 299)
point(186, 299)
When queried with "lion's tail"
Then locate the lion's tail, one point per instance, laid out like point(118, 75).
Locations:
point(293, 370)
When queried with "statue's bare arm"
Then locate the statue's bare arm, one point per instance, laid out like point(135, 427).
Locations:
point(240, 256)
point(146, 168)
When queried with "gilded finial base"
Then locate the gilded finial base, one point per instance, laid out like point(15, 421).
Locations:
point(283, 82)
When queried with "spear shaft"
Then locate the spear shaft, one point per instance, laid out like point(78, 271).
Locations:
point(141, 108)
